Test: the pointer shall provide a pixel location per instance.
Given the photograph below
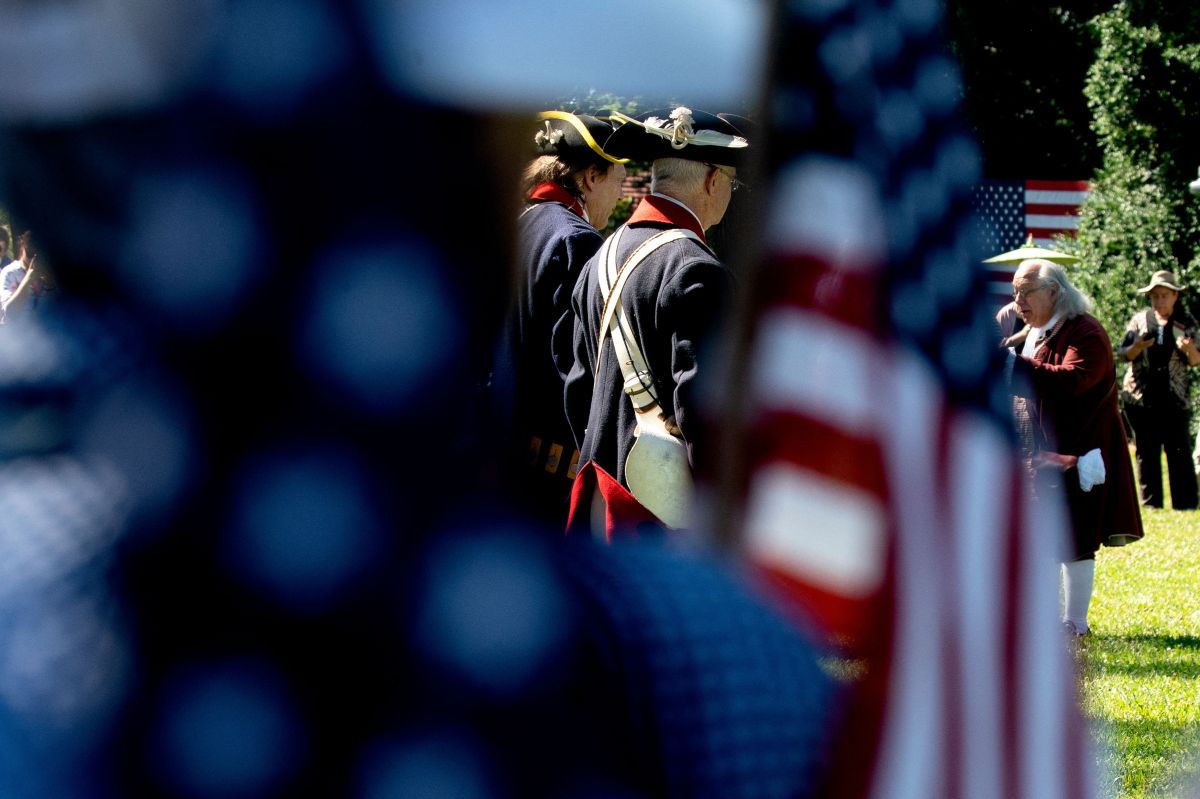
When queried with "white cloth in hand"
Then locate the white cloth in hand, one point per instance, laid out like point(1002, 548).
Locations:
point(1091, 470)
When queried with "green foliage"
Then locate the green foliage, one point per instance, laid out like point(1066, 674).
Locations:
point(622, 211)
point(1142, 92)
point(592, 101)
point(596, 102)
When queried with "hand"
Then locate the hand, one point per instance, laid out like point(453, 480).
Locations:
point(1186, 344)
point(1054, 460)
point(1141, 345)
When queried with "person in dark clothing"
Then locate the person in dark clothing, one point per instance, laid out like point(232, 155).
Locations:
point(1160, 346)
point(570, 188)
point(668, 306)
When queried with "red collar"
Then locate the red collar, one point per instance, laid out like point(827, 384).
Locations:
point(659, 210)
point(554, 193)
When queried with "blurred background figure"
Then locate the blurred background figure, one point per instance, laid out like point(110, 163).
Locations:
point(570, 189)
point(23, 281)
point(1159, 345)
point(5, 246)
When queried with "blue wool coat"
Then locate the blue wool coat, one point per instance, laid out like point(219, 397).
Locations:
point(675, 302)
point(553, 245)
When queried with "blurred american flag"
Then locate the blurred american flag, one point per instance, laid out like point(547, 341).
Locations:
point(883, 492)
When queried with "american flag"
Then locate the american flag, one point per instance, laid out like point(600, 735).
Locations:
point(1008, 211)
point(883, 492)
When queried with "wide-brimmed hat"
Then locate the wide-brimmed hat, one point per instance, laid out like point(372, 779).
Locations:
point(577, 139)
point(1162, 278)
point(682, 133)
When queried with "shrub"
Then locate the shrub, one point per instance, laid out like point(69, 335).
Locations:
point(1143, 93)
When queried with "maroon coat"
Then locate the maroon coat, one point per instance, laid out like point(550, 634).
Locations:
point(1074, 411)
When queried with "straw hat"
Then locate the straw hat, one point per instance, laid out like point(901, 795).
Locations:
point(1162, 278)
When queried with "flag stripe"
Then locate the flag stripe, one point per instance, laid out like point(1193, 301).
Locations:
point(1051, 209)
point(822, 446)
point(834, 213)
point(833, 383)
point(840, 545)
point(846, 295)
point(913, 734)
point(1062, 198)
point(1058, 185)
point(1035, 223)
point(978, 460)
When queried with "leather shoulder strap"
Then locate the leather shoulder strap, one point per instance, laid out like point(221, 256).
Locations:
point(612, 300)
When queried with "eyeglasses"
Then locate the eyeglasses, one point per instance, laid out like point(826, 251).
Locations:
point(1021, 294)
point(734, 183)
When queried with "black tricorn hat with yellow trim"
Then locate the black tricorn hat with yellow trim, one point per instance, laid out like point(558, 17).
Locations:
point(577, 139)
point(682, 133)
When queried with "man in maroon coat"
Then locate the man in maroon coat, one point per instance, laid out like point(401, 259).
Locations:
point(1075, 438)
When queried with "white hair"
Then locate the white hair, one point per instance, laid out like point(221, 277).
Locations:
point(677, 173)
point(1071, 301)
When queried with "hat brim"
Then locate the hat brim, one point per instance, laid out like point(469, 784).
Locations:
point(583, 138)
point(1163, 283)
point(633, 141)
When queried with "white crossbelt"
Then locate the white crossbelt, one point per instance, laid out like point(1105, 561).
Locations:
point(656, 469)
point(639, 382)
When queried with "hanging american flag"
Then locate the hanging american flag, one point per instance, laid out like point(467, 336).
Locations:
point(1008, 211)
point(883, 492)
point(1052, 208)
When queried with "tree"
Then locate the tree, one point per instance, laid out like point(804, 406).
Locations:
point(597, 102)
point(1024, 64)
point(1144, 94)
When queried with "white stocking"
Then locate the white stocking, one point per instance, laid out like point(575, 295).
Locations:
point(1078, 577)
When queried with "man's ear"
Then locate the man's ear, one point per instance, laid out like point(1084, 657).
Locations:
point(590, 177)
point(710, 181)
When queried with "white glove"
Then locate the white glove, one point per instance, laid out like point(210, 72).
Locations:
point(1091, 470)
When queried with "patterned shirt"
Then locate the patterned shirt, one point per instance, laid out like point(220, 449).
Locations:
point(1139, 385)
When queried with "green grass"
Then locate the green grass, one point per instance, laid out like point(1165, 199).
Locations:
point(1141, 665)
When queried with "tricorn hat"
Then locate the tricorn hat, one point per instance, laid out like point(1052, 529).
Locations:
point(682, 133)
point(578, 139)
point(1162, 278)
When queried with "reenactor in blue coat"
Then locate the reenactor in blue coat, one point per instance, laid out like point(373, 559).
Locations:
point(570, 188)
point(643, 316)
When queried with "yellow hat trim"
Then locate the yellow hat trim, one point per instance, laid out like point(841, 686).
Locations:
point(584, 132)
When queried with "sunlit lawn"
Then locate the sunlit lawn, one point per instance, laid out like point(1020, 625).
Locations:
point(1141, 665)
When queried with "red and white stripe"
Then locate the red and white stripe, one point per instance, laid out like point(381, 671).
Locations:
point(903, 526)
point(1052, 208)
